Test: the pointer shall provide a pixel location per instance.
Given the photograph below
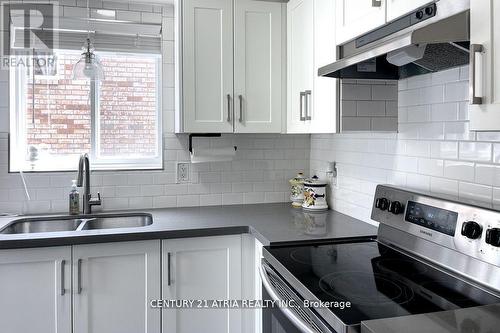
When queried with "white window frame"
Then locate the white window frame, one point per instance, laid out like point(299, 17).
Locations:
point(18, 142)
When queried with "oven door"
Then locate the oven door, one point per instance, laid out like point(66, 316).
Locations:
point(280, 319)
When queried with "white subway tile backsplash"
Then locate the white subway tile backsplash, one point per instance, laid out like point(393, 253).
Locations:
point(384, 93)
point(356, 124)
point(356, 92)
point(444, 186)
point(349, 109)
point(487, 174)
point(475, 192)
point(459, 170)
point(447, 76)
point(444, 149)
point(387, 124)
point(444, 112)
point(432, 95)
point(431, 131)
point(420, 81)
point(456, 92)
point(475, 151)
point(431, 167)
point(434, 149)
point(371, 108)
point(418, 114)
point(458, 131)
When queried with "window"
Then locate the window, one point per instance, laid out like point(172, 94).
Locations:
point(54, 119)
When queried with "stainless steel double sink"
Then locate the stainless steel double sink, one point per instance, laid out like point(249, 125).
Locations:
point(77, 223)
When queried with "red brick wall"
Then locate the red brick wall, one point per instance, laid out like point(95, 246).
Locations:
point(62, 122)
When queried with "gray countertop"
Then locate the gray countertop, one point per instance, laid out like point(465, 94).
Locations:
point(481, 319)
point(269, 223)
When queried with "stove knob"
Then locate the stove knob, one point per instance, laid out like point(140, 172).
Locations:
point(382, 203)
point(471, 230)
point(493, 237)
point(396, 207)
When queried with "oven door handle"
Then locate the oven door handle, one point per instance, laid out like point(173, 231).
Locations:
point(298, 322)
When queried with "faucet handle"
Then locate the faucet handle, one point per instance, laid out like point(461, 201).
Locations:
point(96, 202)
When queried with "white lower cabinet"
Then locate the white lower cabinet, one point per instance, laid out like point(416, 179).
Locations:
point(108, 287)
point(113, 284)
point(202, 269)
point(31, 290)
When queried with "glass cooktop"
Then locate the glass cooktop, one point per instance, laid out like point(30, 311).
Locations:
point(378, 281)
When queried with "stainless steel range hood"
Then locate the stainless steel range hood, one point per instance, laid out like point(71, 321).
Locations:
point(430, 39)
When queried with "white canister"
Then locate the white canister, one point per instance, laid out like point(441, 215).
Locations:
point(315, 195)
point(297, 190)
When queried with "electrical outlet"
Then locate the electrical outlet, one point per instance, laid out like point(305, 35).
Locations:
point(183, 172)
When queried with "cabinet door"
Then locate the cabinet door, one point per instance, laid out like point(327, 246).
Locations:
point(484, 25)
point(356, 17)
point(208, 66)
point(324, 109)
point(113, 284)
point(257, 66)
point(202, 269)
point(31, 290)
point(300, 63)
point(397, 8)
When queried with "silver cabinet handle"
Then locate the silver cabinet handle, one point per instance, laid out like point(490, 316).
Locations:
point(308, 94)
point(302, 96)
point(169, 276)
point(79, 276)
point(229, 108)
point(241, 108)
point(63, 289)
point(376, 3)
point(474, 48)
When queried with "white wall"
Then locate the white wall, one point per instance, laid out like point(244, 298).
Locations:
point(259, 173)
point(434, 150)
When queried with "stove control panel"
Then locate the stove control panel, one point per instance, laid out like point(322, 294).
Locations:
point(493, 237)
point(472, 230)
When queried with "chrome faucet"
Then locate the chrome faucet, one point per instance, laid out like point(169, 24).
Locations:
point(84, 172)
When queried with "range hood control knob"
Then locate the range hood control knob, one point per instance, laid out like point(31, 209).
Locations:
point(396, 207)
point(429, 10)
point(419, 15)
point(382, 203)
point(471, 230)
point(493, 237)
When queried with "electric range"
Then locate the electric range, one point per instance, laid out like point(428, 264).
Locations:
point(430, 255)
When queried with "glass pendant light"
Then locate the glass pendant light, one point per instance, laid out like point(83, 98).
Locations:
point(88, 67)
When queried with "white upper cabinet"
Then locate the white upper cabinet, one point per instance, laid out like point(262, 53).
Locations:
point(356, 17)
point(397, 8)
point(484, 111)
point(202, 269)
point(207, 65)
point(112, 286)
point(324, 110)
point(257, 67)
point(228, 89)
point(35, 289)
point(300, 54)
point(312, 100)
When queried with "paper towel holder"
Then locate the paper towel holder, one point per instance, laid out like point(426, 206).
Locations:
point(203, 135)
